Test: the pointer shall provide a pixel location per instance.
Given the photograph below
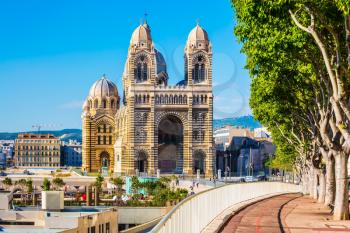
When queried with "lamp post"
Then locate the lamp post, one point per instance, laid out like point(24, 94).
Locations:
point(225, 156)
point(230, 166)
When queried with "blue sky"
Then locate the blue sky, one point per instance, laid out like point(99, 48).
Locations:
point(51, 52)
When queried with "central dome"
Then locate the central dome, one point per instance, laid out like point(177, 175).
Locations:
point(103, 88)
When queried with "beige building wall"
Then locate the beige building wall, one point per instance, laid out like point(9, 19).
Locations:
point(37, 150)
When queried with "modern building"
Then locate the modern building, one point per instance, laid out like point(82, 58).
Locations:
point(241, 151)
point(157, 126)
point(71, 153)
point(37, 150)
point(224, 135)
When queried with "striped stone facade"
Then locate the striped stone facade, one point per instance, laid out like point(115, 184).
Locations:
point(160, 126)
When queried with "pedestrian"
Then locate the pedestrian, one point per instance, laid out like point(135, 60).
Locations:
point(197, 184)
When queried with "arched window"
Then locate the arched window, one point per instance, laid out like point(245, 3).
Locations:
point(104, 103)
point(112, 104)
point(141, 69)
point(198, 72)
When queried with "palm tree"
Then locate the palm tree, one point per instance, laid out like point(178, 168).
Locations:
point(118, 182)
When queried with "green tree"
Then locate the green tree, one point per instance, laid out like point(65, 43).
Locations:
point(7, 182)
point(58, 183)
point(298, 56)
point(29, 185)
point(99, 181)
point(46, 184)
point(118, 182)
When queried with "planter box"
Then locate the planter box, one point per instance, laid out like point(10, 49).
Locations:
point(52, 200)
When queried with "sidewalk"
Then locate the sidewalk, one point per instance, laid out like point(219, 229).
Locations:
point(286, 213)
point(304, 215)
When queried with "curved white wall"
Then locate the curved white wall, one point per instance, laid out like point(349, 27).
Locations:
point(196, 212)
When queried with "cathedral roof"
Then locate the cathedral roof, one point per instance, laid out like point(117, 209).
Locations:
point(198, 34)
point(103, 88)
point(141, 34)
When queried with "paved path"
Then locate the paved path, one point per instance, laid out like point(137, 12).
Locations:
point(289, 213)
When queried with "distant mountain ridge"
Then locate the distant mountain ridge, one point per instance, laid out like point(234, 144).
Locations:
point(75, 134)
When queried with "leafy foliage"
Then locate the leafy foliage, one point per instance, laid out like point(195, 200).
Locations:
point(58, 183)
point(46, 184)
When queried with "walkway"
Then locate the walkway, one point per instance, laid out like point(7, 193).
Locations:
point(289, 213)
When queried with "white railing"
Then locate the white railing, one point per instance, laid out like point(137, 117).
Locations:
point(195, 212)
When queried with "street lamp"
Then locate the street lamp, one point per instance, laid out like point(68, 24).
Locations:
point(230, 166)
point(225, 156)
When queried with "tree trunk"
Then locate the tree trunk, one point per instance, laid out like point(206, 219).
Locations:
point(315, 184)
point(322, 187)
point(311, 182)
point(330, 181)
point(341, 205)
point(305, 184)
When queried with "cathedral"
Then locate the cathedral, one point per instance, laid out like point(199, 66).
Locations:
point(155, 126)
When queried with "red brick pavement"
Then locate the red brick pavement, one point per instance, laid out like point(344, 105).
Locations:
point(288, 213)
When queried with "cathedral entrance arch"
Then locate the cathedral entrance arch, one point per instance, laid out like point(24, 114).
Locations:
point(141, 161)
point(199, 161)
point(170, 144)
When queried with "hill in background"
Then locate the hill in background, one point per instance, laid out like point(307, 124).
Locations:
point(75, 134)
point(64, 134)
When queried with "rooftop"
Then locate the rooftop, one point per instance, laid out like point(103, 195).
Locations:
point(36, 136)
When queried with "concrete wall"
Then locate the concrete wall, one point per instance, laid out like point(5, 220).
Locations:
point(194, 213)
point(139, 215)
point(52, 200)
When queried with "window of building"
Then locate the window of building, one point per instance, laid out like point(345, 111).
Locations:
point(107, 227)
point(110, 140)
point(141, 69)
point(104, 140)
point(198, 72)
point(93, 229)
point(98, 140)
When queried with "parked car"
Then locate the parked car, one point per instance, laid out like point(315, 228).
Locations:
point(250, 179)
point(262, 178)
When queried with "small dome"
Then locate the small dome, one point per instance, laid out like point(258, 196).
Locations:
point(198, 34)
point(160, 62)
point(103, 88)
point(142, 34)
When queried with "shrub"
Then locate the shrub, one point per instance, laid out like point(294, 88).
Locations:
point(46, 184)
